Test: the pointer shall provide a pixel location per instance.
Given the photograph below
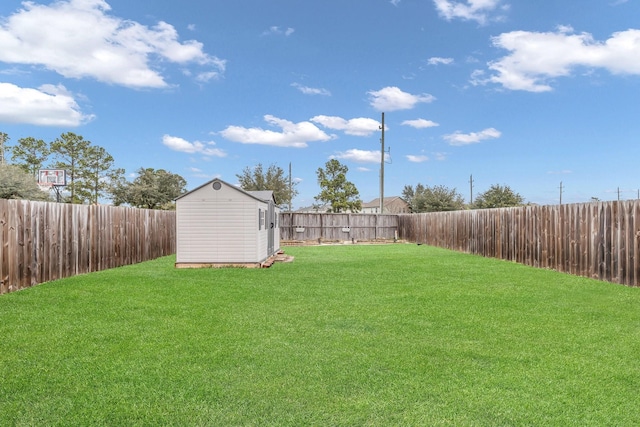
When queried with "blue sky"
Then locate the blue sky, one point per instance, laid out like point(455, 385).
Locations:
point(522, 93)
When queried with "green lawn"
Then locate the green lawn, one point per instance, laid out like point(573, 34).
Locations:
point(345, 335)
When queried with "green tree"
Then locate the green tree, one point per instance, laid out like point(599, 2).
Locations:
point(336, 191)
point(69, 149)
point(96, 172)
point(273, 179)
point(432, 199)
point(151, 189)
point(17, 184)
point(412, 197)
point(30, 154)
point(498, 196)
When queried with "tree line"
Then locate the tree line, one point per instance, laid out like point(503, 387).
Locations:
point(338, 194)
point(439, 198)
point(91, 174)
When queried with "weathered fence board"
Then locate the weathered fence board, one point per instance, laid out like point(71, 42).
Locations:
point(332, 227)
point(41, 241)
point(599, 240)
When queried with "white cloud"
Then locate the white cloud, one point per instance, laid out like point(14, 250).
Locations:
point(420, 123)
point(14, 71)
point(392, 99)
point(458, 138)
point(48, 105)
point(310, 90)
point(478, 77)
point(292, 134)
point(357, 127)
point(207, 76)
point(275, 30)
point(79, 38)
point(437, 60)
point(182, 145)
point(470, 10)
point(536, 58)
point(199, 173)
point(360, 156)
point(417, 159)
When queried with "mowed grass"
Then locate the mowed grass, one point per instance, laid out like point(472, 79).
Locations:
point(343, 336)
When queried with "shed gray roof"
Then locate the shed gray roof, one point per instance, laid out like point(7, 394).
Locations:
point(263, 196)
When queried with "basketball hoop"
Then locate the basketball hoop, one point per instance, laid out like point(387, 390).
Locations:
point(52, 176)
point(49, 179)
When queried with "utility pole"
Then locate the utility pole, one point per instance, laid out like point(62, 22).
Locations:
point(471, 189)
point(561, 192)
point(382, 168)
point(290, 187)
point(3, 139)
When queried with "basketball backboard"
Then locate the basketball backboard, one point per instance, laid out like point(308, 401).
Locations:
point(56, 177)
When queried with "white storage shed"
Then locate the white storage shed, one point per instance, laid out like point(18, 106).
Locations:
point(220, 224)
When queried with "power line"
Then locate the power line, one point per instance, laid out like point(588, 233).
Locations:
point(290, 188)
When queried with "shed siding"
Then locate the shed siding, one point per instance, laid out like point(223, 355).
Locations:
point(219, 226)
point(223, 226)
point(217, 232)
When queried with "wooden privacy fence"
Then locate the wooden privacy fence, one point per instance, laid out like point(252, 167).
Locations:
point(598, 240)
point(43, 241)
point(330, 226)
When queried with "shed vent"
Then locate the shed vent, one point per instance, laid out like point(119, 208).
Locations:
point(217, 185)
